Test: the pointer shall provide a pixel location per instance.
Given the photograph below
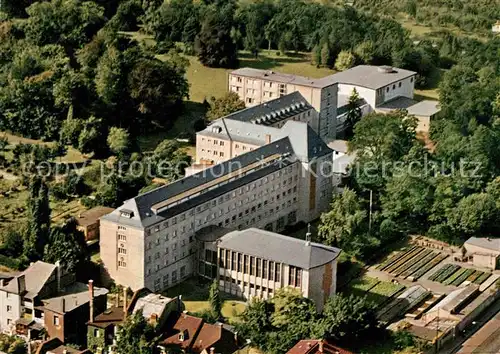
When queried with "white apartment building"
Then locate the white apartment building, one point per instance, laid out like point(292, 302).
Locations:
point(150, 240)
point(256, 263)
point(21, 296)
point(255, 86)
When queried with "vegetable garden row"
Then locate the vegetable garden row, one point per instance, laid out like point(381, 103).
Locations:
point(452, 274)
point(376, 291)
point(413, 263)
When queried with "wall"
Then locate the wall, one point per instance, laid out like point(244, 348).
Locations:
point(424, 124)
point(133, 274)
point(368, 94)
point(484, 261)
point(322, 283)
point(395, 90)
point(13, 300)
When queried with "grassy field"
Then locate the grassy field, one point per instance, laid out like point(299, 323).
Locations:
point(194, 293)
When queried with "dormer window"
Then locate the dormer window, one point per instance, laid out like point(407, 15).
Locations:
point(126, 213)
point(183, 335)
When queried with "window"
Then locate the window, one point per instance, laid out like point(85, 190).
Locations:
point(278, 273)
point(399, 84)
point(165, 281)
point(239, 79)
point(221, 154)
point(271, 271)
point(9, 308)
point(216, 142)
point(122, 251)
point(240, 261)
point(411, 80)
point(245, 264)
point(122, 264)
point(56, 321)
point(387, 89)
point(174, 276)
point(183, 271)
point(291, 276)
point(233, 261)
point(252, 265)
point(97, 333)
point(394, 86)
point(258, 267)
point(122, 237)
point(264, 269)
point(122, 228)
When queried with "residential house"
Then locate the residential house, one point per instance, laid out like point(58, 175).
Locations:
point(317, 346)
point(55, 346)
point(256, 263)
point(156, 308)
point(67, 314)
point(21, 295)
point(192, 335)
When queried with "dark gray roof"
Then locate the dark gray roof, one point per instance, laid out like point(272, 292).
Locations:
point(426, 108)
point(273, 111)
point(284, 78)
point(35, 277)
point(73, 297)
point(279, 248)
point(298, 141)
point(399, 102)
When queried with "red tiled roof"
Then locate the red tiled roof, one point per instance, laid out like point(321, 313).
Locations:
point(113, 315)
point(214, 336)
point(189, 325)
point(312, 346)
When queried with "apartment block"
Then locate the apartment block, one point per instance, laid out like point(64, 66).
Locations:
point(255, 86)
point(256, 263)
point(150, 241)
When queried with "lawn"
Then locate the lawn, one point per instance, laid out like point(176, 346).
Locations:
point(194, 293)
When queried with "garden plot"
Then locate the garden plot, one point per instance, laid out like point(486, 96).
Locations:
point(376, 291)
point(403, 303)
point(453, 274)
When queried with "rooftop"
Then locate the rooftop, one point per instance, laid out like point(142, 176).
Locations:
point(35, 277)
point(189, 326)
point(369, 76)
point(339, 146)
point(297, 141)
point(424, 108)
point(75, 296)
point(279, 248)
point(111, 316)
point(492, 244)
point(399, 102)
point(454, 300)
point(152, 304)
point(91, 216)
point(273, 111)
point(316, 346)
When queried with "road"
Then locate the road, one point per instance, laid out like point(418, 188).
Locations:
point(483, 337)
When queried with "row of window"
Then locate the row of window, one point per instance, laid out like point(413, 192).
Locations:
point(164, 282)
point(246, 285)
point(250, 265)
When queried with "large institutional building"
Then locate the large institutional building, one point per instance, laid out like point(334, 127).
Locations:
point(267, 167)
point(150, 240)
point(329, 95)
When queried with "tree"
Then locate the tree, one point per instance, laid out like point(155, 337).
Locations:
point(365, 51)
point(38, 219)
point(347, 319)
point(411, 8)
point(353, 112)
point(225, 105)
point(345, 60)
point(256, 322)
point(13, 242)
point(118, 140)
point(70, 131)
point(109, 77)
point(476, 214)
point(90, 136)
point(67, 245)
point(135, 335)
point(325, 55)
point(214, 44)
point(345, 222)
point(215, 300)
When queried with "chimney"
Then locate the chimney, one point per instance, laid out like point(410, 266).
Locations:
point(320, 344)
point(58, 275)
point(125, 303)
point(212, 350)
point(2, 282)
point(153, 319)
point(21, 283)
point(91, 300)
point(117, 300)
point(236, 337)
point(268, 138)
point(179, 303)
point(308, 235)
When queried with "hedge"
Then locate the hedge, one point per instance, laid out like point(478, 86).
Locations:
point(10, 262)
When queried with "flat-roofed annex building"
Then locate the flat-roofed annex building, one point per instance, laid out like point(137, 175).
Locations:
point(150, 240)
point(255, 262)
